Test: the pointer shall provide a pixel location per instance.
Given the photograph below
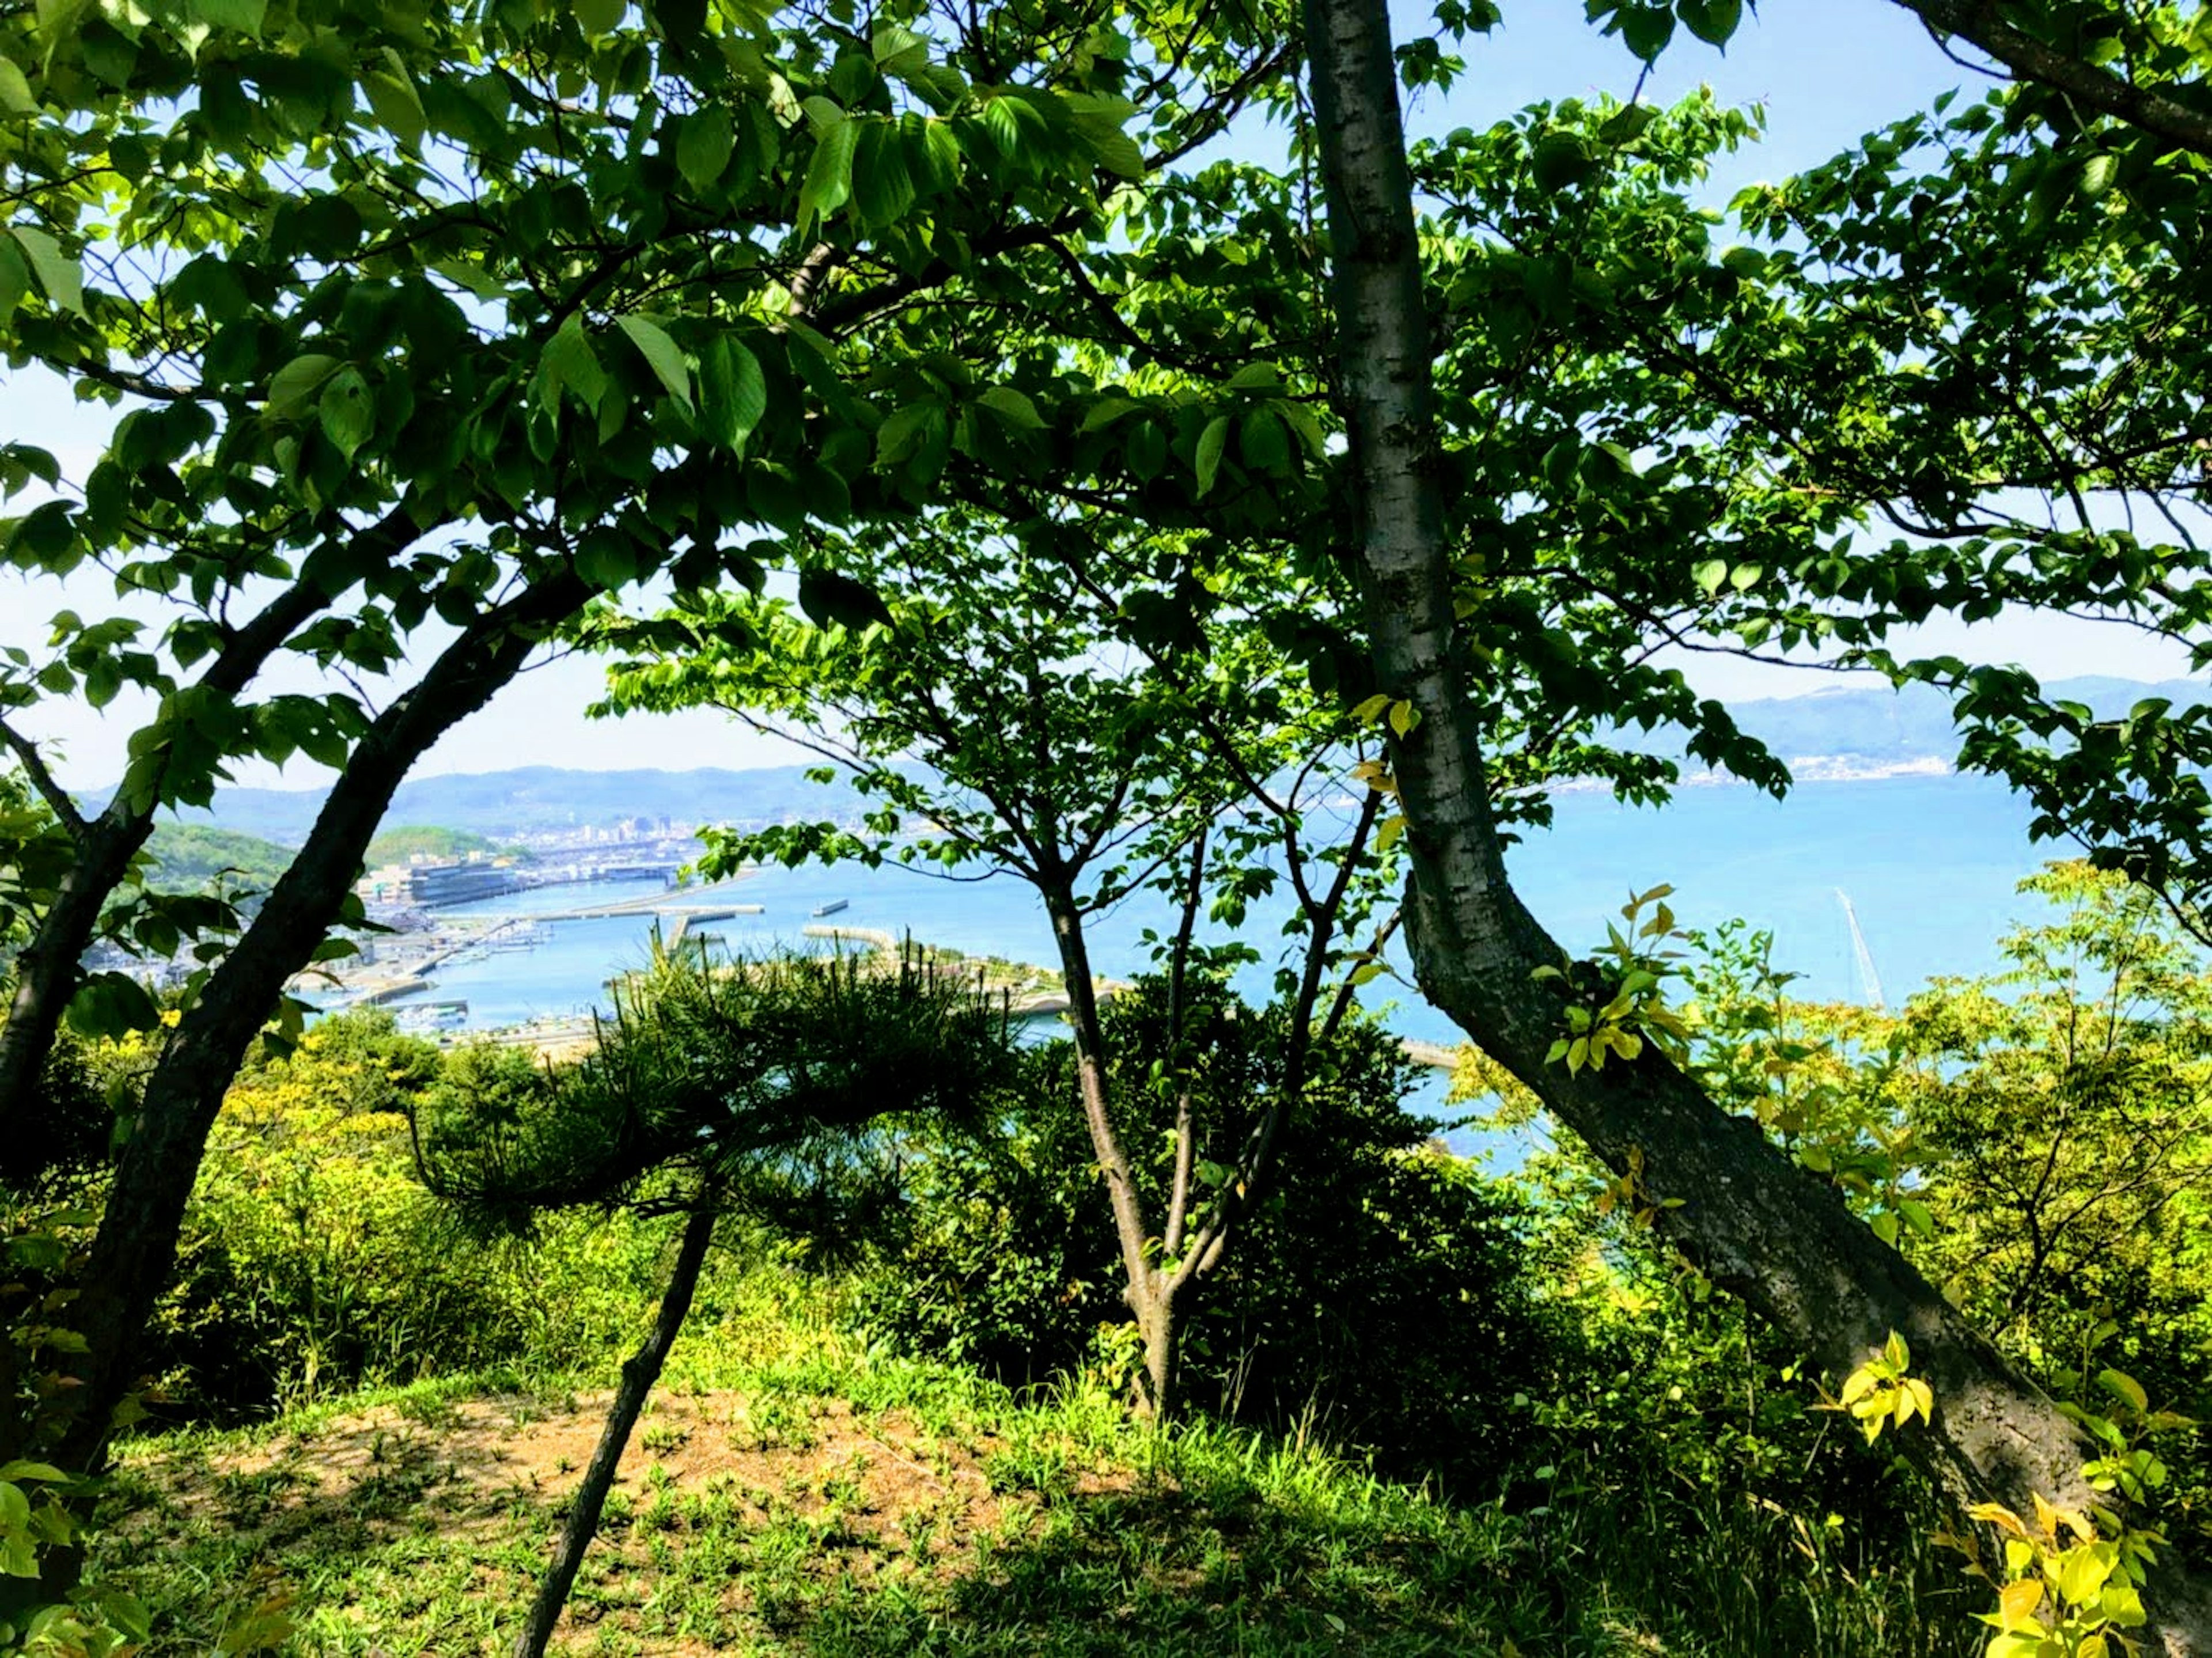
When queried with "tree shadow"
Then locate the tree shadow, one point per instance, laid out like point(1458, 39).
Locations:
point(1160, 1568)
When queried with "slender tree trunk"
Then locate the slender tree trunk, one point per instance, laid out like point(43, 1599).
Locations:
point(638, 1372)
point(1150, 1294)
point(135, 1246)
point(1757, 1223)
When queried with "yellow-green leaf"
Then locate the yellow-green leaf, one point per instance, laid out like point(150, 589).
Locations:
point(15, 90)
point(391, 95)
point(2016, 1602)
point(2121, 1385)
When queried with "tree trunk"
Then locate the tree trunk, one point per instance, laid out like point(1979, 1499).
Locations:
point(135, 1246)
point(638, 1372)
point(48, 966)
point(1150, 1294)
point(46, 970)
point(1757, 1223)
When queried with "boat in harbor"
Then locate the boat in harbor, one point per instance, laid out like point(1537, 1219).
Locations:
point(831, 908)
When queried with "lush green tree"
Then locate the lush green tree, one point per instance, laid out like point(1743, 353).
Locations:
point(996, 706)
point(1325, 1315)
point(1755, 1221)
point(401, 841)
point(427, 328)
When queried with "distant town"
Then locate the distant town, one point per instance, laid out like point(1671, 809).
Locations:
point(634, 849)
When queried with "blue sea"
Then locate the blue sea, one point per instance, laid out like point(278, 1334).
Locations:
point(1930, 864)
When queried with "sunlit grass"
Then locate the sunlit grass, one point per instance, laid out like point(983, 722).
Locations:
point(793, 1492)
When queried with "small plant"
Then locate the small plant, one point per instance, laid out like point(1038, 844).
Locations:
point(1881, 1392)
point(1618, 1001)
point(2064, 1591)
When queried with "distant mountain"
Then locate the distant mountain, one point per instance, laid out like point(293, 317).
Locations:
point(1866, 729)
point(538, 798)
point(1880, 727)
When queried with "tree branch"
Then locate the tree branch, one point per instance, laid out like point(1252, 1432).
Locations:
point(34, 767)
point(2031, 59)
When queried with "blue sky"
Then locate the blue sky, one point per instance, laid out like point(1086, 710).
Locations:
point(1827, 71)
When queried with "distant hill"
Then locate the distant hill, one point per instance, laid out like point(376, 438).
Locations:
point(188, 856)
point(494, 805)
point(1868, 728)
point(1883, 727)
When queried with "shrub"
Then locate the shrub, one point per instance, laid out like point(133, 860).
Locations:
point(1377, 1295)
point(312, 1259)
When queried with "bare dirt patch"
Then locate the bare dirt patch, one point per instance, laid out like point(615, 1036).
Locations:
point(479, 1460)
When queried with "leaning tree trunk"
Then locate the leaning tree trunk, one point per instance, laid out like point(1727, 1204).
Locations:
point(638, 1372)
point(135, 1246)
point(1755, 1221)
point(47, 967)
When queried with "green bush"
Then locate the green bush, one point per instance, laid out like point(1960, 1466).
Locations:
point(312, 1259)
point(1378, 1297)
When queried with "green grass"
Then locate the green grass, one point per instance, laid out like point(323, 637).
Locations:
point(792, 1492)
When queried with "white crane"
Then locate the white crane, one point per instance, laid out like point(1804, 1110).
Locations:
point(1870, 981)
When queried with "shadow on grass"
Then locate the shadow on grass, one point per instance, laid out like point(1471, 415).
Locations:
point(863, 1534)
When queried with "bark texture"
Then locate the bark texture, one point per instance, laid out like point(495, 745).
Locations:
point(1758, 1225)
point(136, 1247)
point(638, 1372)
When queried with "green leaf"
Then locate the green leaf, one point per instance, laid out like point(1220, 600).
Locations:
point(15, 277)
point(905, 431)
point(703, 146)
point(606, 558)
point(1103, 413)
point(829, 173)
point(15, 90)
point(1210, 442)
point(570, 364)
point(391, 95)
point(732, 391)
point(665, 357)
point(2121, 1385)
point(60, 277)
point(1646, 27)
point(297, 382)
point(1709, 573)
point(347, 411)
point(1263, 443)
point(45, 1472)
point(243, 16)
point(1712, 22)
point(1562, 160)
point(882, 188)
point(1013, 407)
point(829, 597)
point(598, 17)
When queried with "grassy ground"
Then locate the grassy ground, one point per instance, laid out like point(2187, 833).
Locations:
point(791, 1493)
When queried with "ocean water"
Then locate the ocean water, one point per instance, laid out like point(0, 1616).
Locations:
point(1930, 864)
